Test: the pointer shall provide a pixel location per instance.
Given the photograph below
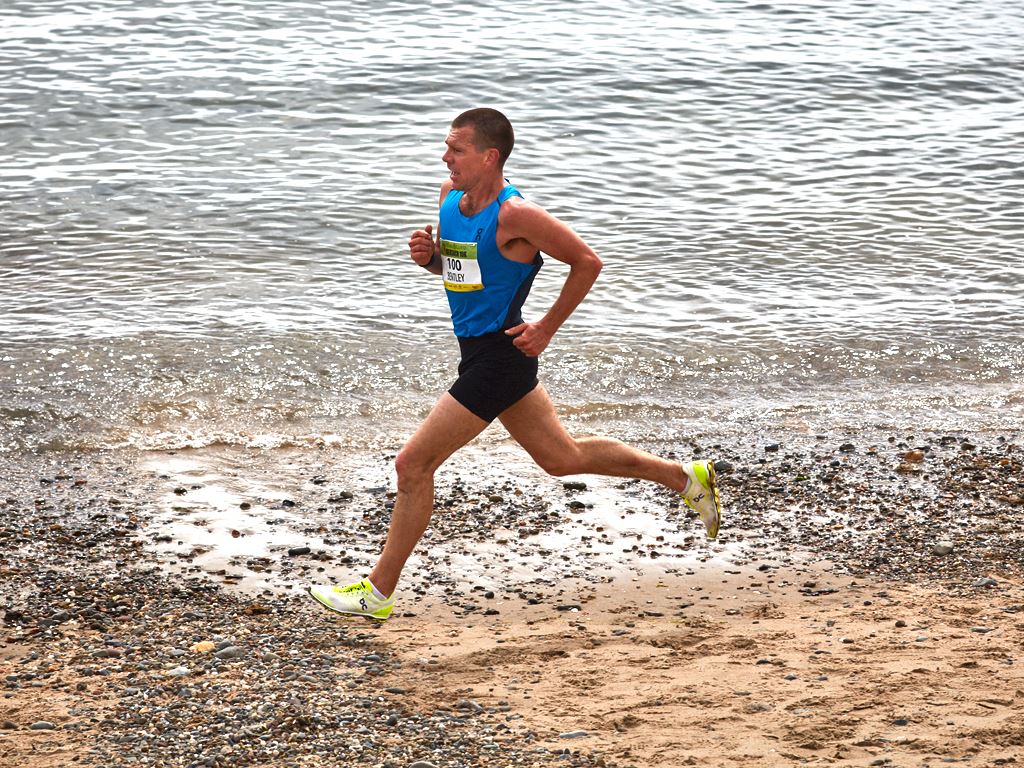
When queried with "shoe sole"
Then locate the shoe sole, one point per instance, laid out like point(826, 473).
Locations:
point(718, 501)
point(331, 608)
point(713, 489)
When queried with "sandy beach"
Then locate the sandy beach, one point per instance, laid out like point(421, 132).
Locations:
point(214, 343)
point(862, 607)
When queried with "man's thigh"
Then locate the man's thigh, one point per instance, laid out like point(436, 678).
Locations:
point(533, 423)
point(448, 427)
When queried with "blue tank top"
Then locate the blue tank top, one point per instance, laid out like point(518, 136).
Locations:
point(485, 290)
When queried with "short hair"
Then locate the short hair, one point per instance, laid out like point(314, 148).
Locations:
point(491, 129)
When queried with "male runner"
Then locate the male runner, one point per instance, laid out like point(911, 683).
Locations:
point(488, 250)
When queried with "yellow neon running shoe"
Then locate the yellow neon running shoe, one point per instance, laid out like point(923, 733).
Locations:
point(701, 494)
point(353, 600)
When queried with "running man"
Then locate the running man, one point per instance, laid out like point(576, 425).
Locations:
point(488, 251)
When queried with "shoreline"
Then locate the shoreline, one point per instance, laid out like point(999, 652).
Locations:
point(597, 627)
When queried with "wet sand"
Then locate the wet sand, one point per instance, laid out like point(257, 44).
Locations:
point(862, 607)
point(872, 674)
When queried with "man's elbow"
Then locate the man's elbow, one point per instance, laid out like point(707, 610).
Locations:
point(585, 263)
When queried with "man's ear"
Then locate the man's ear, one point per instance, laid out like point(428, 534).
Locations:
point(493, 157)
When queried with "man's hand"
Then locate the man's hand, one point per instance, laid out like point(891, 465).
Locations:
point(530, 338)
point(421, 246)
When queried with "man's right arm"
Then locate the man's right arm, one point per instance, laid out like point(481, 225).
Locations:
point(425, 251)
point(424, 246)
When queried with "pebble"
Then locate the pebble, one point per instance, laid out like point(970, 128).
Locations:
point(8, 725)
point(981, 630)
point(230, 652)
point(42, 725)
point(266, 724)
point(179, 672)
point(296, 551)
point(985, 582)
point(943, 548)
point(573, 735)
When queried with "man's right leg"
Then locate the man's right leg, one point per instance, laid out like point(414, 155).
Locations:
point(448, 427)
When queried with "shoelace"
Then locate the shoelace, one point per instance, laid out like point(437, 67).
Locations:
point(350, 588)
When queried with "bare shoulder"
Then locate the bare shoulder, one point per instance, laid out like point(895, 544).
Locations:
point(519, 214)
point(526, 222)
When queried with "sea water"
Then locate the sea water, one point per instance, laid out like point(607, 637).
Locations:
point(809, 215)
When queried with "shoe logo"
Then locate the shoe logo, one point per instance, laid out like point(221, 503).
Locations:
point(698, 498)
point(362, 602)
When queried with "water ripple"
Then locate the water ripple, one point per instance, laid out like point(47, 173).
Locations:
point(786, 181)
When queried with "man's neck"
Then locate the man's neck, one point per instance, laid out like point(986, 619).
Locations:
point(481, 195)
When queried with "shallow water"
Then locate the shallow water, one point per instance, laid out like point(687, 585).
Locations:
point(809, 215)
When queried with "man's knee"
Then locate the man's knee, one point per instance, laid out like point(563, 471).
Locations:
point(407, 464)
point(560, 464)
point(558, 468)
point(411, 468)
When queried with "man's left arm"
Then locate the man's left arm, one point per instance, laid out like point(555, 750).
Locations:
point(545, 233)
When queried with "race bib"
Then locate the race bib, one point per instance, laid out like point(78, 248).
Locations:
point(460, 267)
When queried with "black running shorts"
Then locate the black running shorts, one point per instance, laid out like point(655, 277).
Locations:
point(493, 374)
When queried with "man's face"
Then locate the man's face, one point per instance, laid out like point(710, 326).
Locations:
point(465, 162)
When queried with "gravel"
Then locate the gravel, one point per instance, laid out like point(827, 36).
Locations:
point(180, 669)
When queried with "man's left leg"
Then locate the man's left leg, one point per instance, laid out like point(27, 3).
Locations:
point(533, 423)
